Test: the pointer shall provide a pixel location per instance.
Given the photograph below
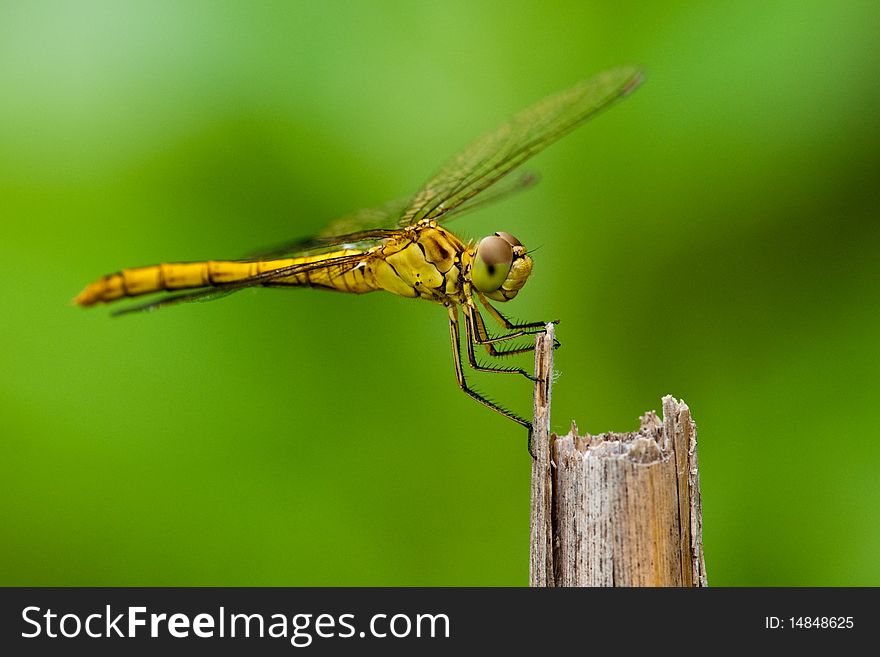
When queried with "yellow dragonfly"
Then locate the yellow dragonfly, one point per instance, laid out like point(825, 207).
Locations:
point(402, 247)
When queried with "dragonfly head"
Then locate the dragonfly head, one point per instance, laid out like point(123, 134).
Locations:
point(500, 266)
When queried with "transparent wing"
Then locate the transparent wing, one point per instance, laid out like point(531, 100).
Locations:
point(361, 229)
point(202, 294)
point(451, 192)
point(343, 230)
point(337, 265)
point(500, 191)
point(497, 153)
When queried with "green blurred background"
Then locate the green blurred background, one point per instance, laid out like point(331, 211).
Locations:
point(714, 236)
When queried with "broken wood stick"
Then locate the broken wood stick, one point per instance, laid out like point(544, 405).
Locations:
point(614, 509)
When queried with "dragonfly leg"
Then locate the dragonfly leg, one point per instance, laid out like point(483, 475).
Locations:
point(459, 374)
point(512, 326)
point(519, 330)
point(482, 337)
point(473, 338)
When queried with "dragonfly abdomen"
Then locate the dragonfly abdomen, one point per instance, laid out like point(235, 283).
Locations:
point(215, 273)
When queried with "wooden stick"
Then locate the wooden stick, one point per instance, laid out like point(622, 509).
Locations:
point(541, 525)
point(617, 509)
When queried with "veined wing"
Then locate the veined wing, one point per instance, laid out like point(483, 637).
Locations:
point(497, 153)
point(361, 227)
point(340, 264)
point(348, 229)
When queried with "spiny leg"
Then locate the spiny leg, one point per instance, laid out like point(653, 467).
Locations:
point(473, 338)
point(481, 336)
point(506, 323)
point(522, 329)
point(459, 373)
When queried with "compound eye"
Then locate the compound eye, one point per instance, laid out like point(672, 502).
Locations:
point(491, 263)
point(507, 237)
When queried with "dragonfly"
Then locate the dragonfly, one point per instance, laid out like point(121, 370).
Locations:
point(403, 247)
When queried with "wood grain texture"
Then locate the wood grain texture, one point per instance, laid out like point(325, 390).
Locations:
point(623, 508)
point(541, 525)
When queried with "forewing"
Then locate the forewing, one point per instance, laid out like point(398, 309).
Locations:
point(499, 192)
point(363, 228)
point(451, 192)
point(342, 230)
point(497, 153)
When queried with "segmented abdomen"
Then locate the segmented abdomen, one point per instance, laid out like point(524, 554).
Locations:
point(182, 276)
